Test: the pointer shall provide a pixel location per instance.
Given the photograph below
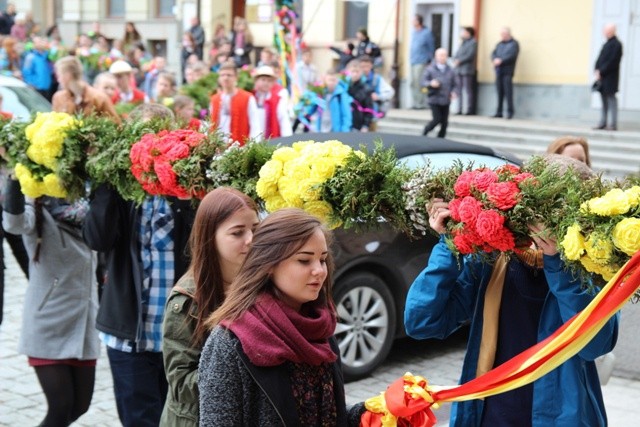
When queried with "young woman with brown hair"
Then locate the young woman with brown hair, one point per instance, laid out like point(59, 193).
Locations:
point(219, 241)
point(271, 358)
point(572, 146)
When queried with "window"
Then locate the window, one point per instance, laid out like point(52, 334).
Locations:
point(115, 8)
point(356, 15)
point(165, 8)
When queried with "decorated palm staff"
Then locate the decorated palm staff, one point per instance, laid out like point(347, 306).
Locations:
point(529, 315)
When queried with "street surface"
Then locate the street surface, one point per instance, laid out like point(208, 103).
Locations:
point(22, 402)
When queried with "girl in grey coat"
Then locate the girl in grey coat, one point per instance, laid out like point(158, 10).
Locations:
point(61, 302)
point(271, 359)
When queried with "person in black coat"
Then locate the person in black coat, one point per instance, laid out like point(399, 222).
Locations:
point(360, 91)
point(504, 58)
point(607, 75)
point(440, 81)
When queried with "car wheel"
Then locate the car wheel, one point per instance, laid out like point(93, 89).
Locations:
point(366, 323)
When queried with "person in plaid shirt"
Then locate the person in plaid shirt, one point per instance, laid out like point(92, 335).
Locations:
point(145, 247)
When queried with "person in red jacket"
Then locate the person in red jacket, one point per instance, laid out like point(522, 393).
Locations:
point(126, 93)
point(234, 111)
point(272, 106)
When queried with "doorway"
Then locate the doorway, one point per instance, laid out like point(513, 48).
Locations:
point(439, 17)
point(238, 8)
point(626, 15)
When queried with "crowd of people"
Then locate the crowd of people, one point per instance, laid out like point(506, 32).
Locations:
point(350, 98)
point(211, 316)
point(443, 80)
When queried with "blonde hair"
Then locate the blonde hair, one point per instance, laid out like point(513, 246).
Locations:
point(558, 146)
point(70, 65)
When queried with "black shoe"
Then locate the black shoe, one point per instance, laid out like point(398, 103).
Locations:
point(497, 116)
point(509, 116)
point(469, 114)
point(459, 113)
point(611, 128)
point(599, 127)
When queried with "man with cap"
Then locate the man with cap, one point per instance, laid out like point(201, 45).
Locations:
point(234, 111)
point(272, 106)
point(125, 93)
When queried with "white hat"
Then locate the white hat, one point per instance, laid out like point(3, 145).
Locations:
point(265, 70)
point(120, 67)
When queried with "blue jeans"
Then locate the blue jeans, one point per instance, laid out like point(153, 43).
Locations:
point(140, 387)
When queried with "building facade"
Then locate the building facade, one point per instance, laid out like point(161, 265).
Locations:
point(559, 43)
point(559, 40)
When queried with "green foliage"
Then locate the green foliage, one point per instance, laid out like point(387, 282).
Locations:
point(14, 141)
point(78, 140)
point(192, 171)
point(238, 167)
point(201, 90)
point(368, 188)
point(109, 160)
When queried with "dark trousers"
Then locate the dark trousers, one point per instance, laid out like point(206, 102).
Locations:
point(466, 85)
point(440, 115)
point(504, 85)
point(609, 104)
point(140, 387)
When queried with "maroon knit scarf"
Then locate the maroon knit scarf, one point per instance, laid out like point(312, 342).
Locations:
point(272, 333)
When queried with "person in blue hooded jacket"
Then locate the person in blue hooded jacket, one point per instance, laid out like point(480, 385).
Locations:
point(511, 305)
point(336, 116)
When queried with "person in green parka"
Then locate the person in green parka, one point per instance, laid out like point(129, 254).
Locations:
point(219, 241)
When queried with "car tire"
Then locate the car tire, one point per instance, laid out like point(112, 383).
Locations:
point(366, 323)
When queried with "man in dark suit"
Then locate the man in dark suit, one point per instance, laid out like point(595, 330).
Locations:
point(504, 58)
point(607, 73)
point(465, 68)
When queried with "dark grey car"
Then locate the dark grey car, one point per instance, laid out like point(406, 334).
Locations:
point(374, 269)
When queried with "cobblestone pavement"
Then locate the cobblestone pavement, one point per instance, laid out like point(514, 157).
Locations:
point(22, 402)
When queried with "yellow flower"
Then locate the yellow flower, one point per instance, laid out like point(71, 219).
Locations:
point(573, 243)
point(28, 185)
point(606, 271)
point(266, 189)
point(633, 195)
point(323, 169)
point(310, 189)
point(289, 191)
point(300, 145)
point(626, 235)
point(297, 169)
point(615, 202)
point(319, 209)
point(599, 248)
point(270, 172)
point(46, 137)
point(53, 187)
point(284, 154)
point(274, 203)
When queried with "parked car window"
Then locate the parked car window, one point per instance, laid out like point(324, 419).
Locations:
point(23, 101)
point(440, 161)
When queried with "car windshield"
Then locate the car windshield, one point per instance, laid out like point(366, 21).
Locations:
point(23, 101)
point(440, 161)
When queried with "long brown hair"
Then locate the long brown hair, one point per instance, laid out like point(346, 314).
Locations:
point(277, 238)
point(215, 208)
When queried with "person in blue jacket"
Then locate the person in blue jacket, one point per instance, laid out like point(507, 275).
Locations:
point(336, 116)
point(538, 295)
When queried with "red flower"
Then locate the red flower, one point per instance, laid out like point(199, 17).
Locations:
point(508, 169)
point(483, 179)
point(503, 195)
point(153, 156)
point(454, 209)
point(462, 187)
point(469, 209)
point(465, 240)
point(503, 240)
point(489, 223)
point(522, 177)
